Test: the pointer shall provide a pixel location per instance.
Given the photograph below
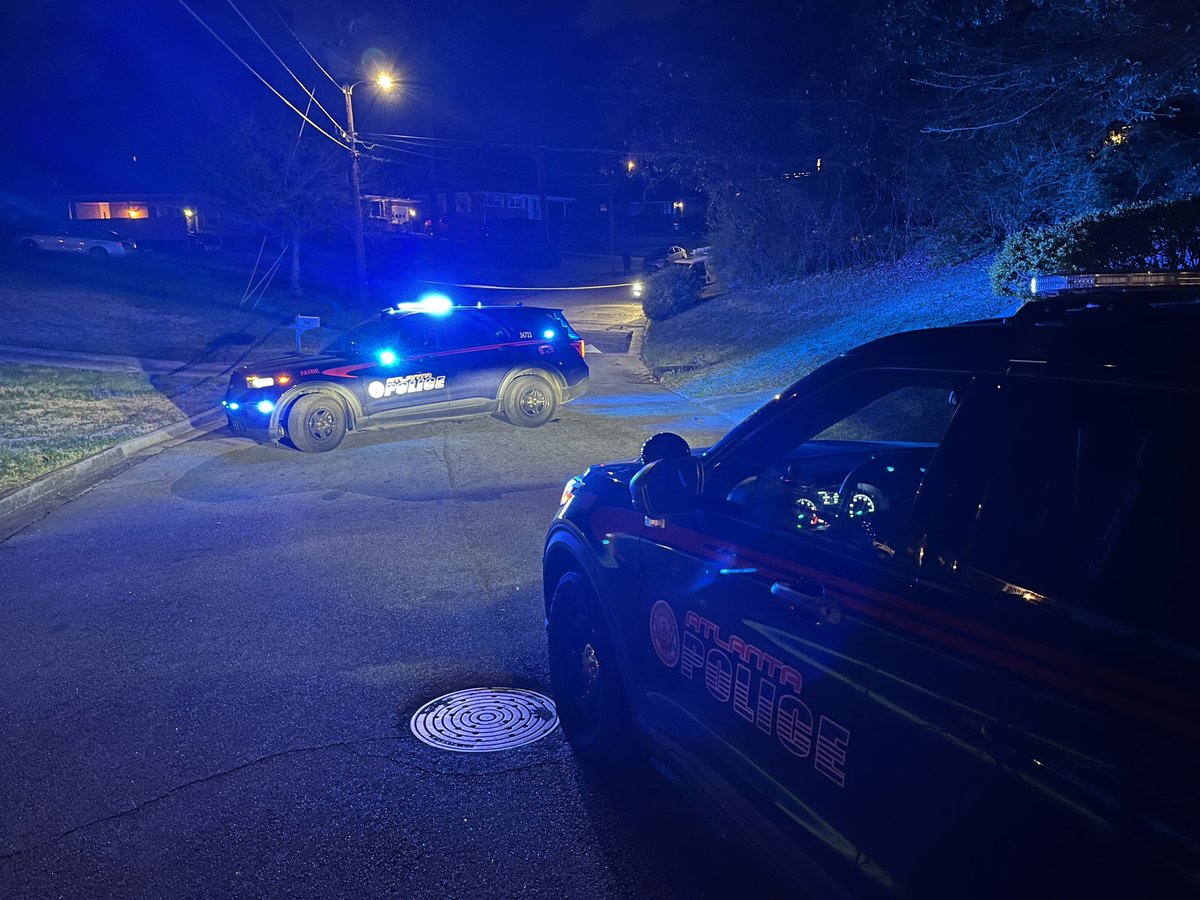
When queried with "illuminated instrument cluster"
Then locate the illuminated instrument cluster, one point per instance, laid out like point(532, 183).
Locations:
point(813, 506)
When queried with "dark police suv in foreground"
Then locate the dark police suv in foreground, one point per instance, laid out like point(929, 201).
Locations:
point(926, 624)
point(421, 360)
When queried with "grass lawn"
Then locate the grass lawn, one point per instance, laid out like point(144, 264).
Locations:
point(155, 306)
point(58, 416)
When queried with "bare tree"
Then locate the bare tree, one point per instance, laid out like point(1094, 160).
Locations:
point(288, 182)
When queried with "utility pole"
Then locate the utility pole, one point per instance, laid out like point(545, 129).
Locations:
point(360, 251)
point(612, 220)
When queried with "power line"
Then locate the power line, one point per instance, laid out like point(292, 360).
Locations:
point(332, 80)
point(311, 92)
point(498, 145)
point(376, 145)
point(252, 70)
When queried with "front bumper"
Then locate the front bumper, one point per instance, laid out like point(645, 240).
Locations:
point(251, 416)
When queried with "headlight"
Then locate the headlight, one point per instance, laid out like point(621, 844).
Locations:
point(259, 381)
point(568, 491)
point(638, 288)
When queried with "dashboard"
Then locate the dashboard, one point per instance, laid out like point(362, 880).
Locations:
point(868, 493)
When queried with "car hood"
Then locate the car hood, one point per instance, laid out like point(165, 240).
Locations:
point(288, 362)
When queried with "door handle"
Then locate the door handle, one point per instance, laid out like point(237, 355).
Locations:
point(808, 597)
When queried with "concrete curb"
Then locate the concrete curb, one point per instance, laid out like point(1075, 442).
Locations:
point(61, 479)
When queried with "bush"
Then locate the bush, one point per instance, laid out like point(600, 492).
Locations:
point(671, 291)
point(1130, 238)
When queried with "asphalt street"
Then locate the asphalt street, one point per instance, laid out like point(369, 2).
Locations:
point(209, 660)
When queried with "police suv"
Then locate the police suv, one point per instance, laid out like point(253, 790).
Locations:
point(923, 623)
point(417, 361)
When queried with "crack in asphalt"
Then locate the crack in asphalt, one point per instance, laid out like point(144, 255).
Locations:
point(464, 531)
point(350, 746)
point(138, 807)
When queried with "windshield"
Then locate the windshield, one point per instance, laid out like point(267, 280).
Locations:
point(364, 338)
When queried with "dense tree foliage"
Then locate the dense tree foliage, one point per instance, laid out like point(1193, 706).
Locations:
point(941, 127)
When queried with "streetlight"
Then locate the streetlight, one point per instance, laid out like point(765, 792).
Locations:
point(384, 82)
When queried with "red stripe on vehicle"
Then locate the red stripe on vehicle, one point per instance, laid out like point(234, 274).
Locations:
point(344, 371)
point(1152, 701)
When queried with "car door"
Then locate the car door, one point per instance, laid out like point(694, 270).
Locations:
point(1066, 573)
point(762, 607)
point(63, 241)
point(478, 350)
point(405, 375)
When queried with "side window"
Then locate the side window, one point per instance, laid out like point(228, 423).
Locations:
point(914, 414)
point(845, 466)
point(457, 331)
point(1087, 503)
point(418, 333)
point(471, 329)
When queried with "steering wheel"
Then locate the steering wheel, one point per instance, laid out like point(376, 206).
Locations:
point(876, 495)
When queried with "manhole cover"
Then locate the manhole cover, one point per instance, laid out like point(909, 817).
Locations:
point(483, 720)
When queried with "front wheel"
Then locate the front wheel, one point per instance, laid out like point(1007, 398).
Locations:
point(530, 401)
point(29, 246)
point(316, 423)
point(585, 675)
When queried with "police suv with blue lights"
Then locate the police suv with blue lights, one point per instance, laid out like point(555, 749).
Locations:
point(423, 360)
point(925, 624)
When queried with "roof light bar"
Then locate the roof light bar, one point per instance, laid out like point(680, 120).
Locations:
point(1049, 285)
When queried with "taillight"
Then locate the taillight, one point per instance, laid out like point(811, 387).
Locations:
point(580, 348)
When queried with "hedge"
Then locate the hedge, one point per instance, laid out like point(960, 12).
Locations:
point(670, 291)
point(1132, 238)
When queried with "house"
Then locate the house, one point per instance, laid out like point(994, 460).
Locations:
point(401, 214)
point(149, 217)
point(465, 213)
point(676, 214)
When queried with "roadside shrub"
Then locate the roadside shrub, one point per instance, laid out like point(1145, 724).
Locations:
point(1135, 237)
point(670, 291)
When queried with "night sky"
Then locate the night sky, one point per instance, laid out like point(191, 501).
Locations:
point(90, 86)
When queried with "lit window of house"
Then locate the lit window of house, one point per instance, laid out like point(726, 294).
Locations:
point(92, 211)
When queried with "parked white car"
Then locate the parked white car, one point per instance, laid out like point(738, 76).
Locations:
point(663, 256)
point(96, 243)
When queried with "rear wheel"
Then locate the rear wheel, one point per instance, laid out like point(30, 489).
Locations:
point(98, 253)
point(585, 675)
point(316, 423)
point(530, 401)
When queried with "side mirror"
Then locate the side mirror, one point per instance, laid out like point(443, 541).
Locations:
point(668, 486)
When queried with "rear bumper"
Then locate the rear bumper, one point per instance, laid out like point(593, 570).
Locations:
point(574, 391)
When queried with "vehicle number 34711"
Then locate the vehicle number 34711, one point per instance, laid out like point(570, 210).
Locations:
point(763, 690)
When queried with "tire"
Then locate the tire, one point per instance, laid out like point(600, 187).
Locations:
point(585, 676)
point(29, 246)
point(99, 254)
point(530, 401)
point(316, 423)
